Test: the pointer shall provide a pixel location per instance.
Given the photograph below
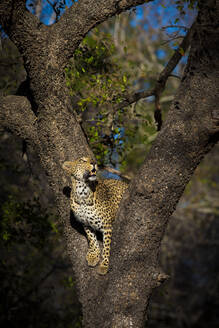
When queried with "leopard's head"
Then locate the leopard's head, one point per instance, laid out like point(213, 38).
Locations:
point(83, 169)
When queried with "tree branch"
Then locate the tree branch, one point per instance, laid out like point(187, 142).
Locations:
point(17, 116)
point(14, 16)
point(134, 97)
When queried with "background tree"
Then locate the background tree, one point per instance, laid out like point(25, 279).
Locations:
point(176, 152)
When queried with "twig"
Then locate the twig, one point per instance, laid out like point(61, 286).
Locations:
point(132, 98)
point(175, 26)
point(177, 37)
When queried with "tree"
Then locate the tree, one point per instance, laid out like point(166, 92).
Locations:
point(44, 119)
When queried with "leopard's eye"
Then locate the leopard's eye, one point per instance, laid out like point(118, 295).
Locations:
point(83, 160)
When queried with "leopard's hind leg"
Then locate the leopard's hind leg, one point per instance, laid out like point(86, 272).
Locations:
point(107, 236)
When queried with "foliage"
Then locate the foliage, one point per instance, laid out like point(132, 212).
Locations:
point(31, 267)
point(98, 78)
point(180, 5)
point(24, 220)
point(112, 61)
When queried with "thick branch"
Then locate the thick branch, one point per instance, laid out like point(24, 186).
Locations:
point(17, 21)
point(17, 116)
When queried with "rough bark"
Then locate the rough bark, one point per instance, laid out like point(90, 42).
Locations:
point(120, 298)
point(17, 116)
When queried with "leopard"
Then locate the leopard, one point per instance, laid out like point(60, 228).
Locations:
point(94, 202)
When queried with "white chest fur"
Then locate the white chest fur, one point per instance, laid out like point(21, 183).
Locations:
point(84, 207)
point(82, 191)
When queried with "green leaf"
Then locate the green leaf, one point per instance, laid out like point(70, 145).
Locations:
point(124, 79)
point(90, 60)
point(181, 51)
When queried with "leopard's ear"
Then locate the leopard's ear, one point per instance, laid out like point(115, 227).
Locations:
point(68, 167)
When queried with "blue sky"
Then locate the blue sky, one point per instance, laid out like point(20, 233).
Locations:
point(165, 9)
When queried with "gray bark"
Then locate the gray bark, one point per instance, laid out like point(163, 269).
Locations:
point(120, 298)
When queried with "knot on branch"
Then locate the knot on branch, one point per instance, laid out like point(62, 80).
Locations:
point(160, 277)
point(157, 112)
point(215, 117)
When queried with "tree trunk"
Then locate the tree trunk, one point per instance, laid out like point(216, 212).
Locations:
point(120, 298)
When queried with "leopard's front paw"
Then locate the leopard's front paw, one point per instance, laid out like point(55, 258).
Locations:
point(102, 268)
point(92, 258)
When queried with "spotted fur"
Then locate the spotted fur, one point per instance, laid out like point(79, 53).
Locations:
point(94, 203)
